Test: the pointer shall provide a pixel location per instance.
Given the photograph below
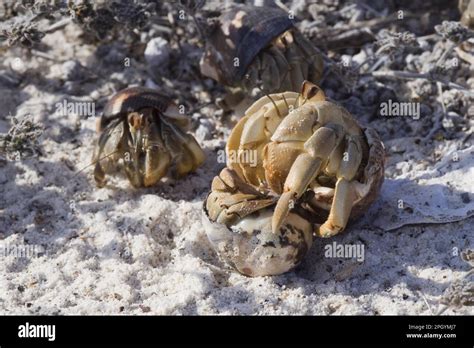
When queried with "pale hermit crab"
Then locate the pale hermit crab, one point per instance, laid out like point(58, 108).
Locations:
point(250, 47)
point(316, 168)
point(145, 130)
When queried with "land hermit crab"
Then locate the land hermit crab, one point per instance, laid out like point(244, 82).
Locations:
point(315, 169)
point(252, 47)
point(145, 130)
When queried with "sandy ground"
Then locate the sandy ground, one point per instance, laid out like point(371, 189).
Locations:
point(118, 250)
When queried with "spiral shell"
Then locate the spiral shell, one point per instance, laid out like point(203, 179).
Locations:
point(130, 100)
point(259, 47)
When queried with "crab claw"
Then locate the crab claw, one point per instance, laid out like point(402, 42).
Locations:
point(231, 198)
point(304, 170)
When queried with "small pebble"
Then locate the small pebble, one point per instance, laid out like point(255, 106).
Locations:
point(72, 70)
point(157, 53)
point(204, 131)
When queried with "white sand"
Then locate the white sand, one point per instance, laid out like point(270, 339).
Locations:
point(121, 250)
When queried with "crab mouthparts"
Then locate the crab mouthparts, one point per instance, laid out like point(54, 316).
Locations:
point(137, 123)
point(135, 120)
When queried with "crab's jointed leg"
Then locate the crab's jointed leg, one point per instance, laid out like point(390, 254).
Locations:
point(183, 148)
point(344, 193)
point(231, 198)
point(157, 159)
point(107, 151)
point(305, 168)
point(253, 132)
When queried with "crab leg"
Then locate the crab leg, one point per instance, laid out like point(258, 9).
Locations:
point(106, 155)
point(176, 141)
point(157, 159)
point(295, 62)
point(344, 193)
point(156, 165)
point(190, 157)
point(251, 137)
point(300, 63)
point(275, 170)
point(233, 144)
point(305, 168)
point(232, 198)
point(311, 57)
point(270, 73)
point(244, 208)
point(197, 155)
point(283, 67)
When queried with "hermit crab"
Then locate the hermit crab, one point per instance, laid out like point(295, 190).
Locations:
point(316, 168)
point(252, 47)
point(145, 130)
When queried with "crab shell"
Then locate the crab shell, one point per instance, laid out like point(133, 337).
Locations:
point(372, 176)
point(251, 248)
point(237, 220)
point(245, 33)
point(129, 100)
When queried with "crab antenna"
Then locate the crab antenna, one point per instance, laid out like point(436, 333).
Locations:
point(274, 104)
point(94, 162)
point(304, 100)
point(286, 103)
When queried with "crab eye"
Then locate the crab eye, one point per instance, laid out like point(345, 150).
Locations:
point(135, 120)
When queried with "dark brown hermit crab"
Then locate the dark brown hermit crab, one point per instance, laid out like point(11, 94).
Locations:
point(144, 131)
point(250, 47)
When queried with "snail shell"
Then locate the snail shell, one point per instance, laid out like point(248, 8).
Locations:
point(130, 100)
point(252, 249)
